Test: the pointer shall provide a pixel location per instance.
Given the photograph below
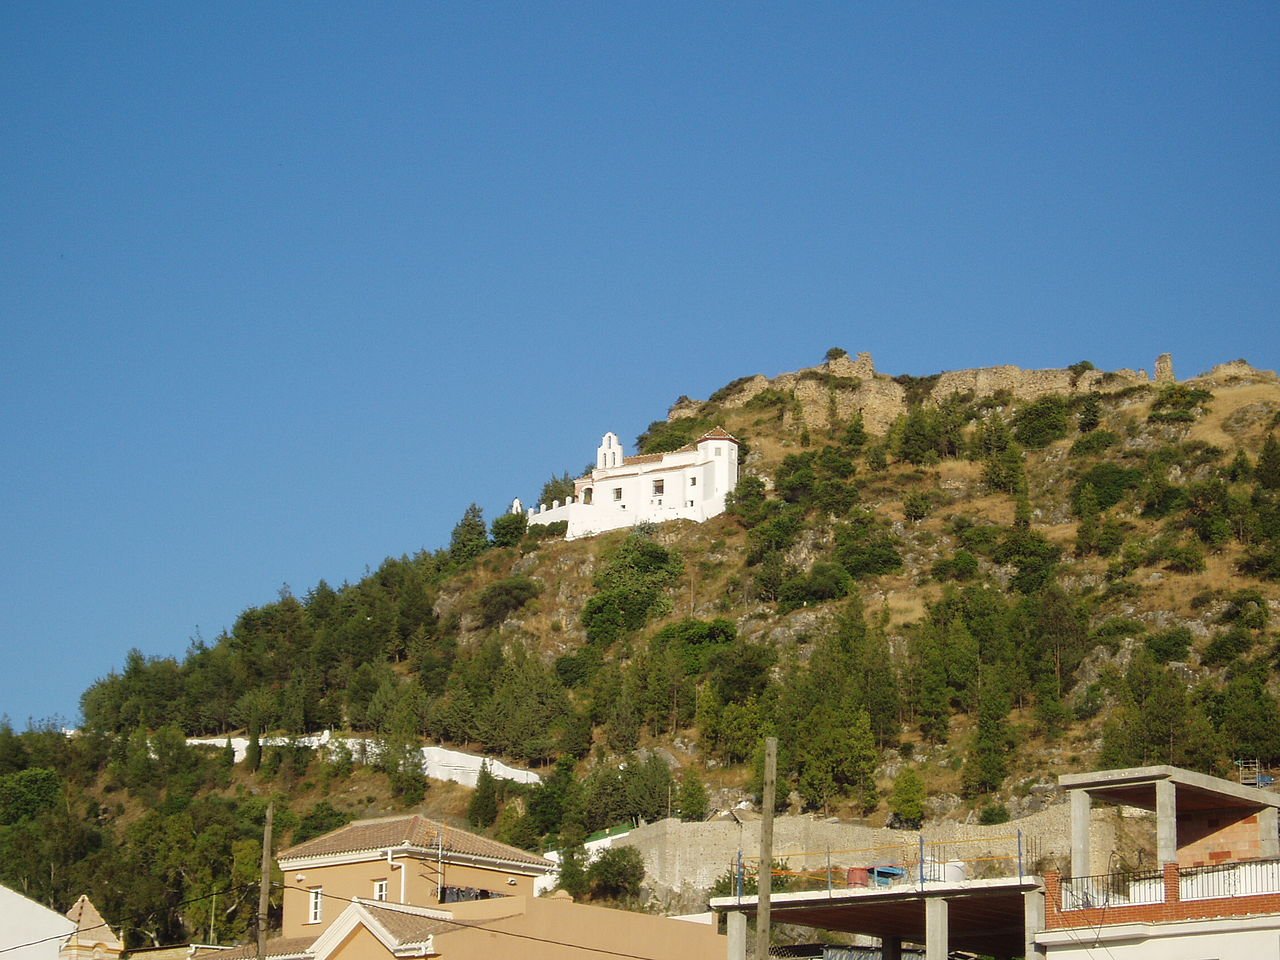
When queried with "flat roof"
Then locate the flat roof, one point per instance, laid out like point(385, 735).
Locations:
point(1135, 787)
point(983, 916)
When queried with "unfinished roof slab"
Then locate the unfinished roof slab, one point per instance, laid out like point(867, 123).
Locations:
point(1136, 787)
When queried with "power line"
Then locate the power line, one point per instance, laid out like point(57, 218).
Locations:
point(135, 921)
point(477, 926)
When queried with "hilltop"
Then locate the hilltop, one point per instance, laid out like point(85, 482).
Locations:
point(940, 592)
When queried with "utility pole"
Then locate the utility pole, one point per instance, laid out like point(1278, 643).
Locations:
point(264, 885)
point(765, 873)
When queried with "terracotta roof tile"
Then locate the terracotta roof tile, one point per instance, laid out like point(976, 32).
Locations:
point(281, 947)
point(410, 926)
point(717, 433)
point(415, 831)
point(89, 922)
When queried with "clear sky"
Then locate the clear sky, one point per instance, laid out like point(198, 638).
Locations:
point(284, 287)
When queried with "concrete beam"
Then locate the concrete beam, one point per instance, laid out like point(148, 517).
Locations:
point(1166, 822)
point(1081, 804)
point(1033, 923)
point(936, 930)
point(1268, 832)
point(736, 928)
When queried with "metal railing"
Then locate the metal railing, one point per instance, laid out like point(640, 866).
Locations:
point(1112, 890)
point(1236, 879)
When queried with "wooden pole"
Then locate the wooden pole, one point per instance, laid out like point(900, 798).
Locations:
point(765, 873)
point(264, 885)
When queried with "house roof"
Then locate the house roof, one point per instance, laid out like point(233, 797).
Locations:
point(367, 836)
point(716, 433)
point(89, 922)
point(283, 948)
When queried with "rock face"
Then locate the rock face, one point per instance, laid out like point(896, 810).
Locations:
point(842, 387)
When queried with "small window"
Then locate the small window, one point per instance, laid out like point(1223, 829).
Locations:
point(379, 889)
point(718, 451)
point(693, 481)
point(658, 486)
point(315, 911)
point(617, 493)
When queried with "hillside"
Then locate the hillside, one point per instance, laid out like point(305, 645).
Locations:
point(939, 592)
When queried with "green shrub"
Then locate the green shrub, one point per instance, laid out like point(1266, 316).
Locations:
point(1110, 483)
point(826, 581)
point(865, 547)
point(502, 598)
point(962, 565)
point(508, 529)
point(1227, 646)
point(993, 814)
point(917, 505)
point(1041, 422)
point(1169, 645)
point(1092, 444)
point(1178, 403)
point(546, 531)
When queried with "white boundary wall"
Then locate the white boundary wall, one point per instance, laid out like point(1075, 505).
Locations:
point(438, 763)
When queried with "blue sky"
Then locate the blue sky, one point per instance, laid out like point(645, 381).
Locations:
point(285, 287)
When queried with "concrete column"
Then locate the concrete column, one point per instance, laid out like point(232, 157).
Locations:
point(736, 928)
point(1033, 923)
point(1166, 822)
point(935, 929)
point(1268, 832)
point(890, 948)
point(1081, 804)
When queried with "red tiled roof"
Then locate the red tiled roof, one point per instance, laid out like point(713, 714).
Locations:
point(414, 831)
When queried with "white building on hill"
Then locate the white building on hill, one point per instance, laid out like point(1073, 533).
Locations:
point(621, 491)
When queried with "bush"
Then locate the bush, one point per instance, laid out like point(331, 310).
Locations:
point(963, 565)
point(917, 505)
point(993, 814)
point(826, 581)
point(1170, 645)
point(1041, 422)
point(508, 529)
point(504, 597)
point(1110, 483)
point(865, 548)
point(616, 874)
point(1092, 444)
point(1228, 646)
point(1178, 403)
point(546, 531)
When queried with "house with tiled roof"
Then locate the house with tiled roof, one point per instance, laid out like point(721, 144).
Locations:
point(410, 887)
point(621, 491)
point(405, 859)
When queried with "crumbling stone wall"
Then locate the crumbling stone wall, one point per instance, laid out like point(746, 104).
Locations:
point(843, 387)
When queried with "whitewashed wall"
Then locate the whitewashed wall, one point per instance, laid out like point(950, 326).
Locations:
point(23, 920)
point(438, 763)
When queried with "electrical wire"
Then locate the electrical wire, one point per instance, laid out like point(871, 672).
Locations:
point(135, 921)
point(486, 929)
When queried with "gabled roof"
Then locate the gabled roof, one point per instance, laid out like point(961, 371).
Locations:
point(370, 836)
point(716, 433)
point(90, 927)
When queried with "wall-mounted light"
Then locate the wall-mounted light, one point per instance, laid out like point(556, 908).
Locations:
point(511, 881)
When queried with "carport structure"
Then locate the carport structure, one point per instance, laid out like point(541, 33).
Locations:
point(999, 917)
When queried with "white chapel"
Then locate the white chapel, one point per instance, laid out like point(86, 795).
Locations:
point(620, 491)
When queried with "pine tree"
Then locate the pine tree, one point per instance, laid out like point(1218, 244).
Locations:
point(470, 537)
point(482, 810)
point(1090, 413)
point(907, 800)
point(987, 762)
point(1267, 472)
point(1090, 515)
point(693, 801)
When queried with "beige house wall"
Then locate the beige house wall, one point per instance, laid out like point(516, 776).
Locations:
point(347, 881)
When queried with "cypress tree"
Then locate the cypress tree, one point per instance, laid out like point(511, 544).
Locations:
point(483, 808)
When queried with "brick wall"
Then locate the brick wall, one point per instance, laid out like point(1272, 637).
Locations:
point(1208, 837)
point(1173, 908)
